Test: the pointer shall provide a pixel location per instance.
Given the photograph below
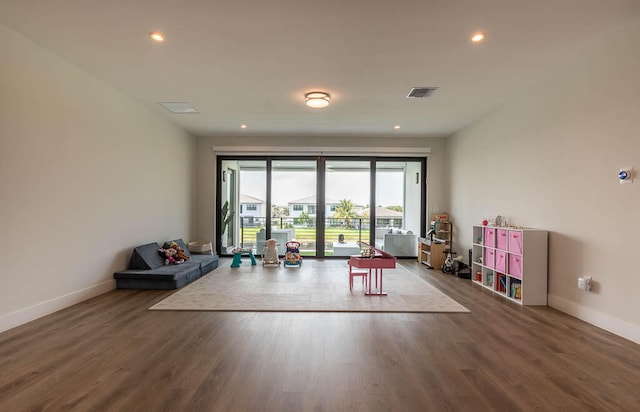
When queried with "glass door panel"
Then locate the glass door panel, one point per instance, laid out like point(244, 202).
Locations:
point(228, 203)
point(293, 200)
point(398, 205)
point(347, 195)
point(252, 185)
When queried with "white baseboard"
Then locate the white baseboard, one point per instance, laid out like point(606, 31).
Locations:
point(609, 323)
point(33, 312)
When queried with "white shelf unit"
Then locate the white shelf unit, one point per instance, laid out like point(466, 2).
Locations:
point(511, 262)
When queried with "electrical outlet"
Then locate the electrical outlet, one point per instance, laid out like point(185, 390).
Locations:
point(584, 282)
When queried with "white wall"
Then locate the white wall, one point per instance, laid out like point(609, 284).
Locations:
point(550, 159)
point(87, 174)
point(436, 189)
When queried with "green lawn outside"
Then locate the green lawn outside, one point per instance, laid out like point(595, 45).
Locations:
point(307, 238)
point(308, 234)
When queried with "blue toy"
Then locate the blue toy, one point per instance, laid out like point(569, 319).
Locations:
point(237, 257)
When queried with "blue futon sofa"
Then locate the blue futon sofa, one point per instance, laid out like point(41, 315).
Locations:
point(148, 271)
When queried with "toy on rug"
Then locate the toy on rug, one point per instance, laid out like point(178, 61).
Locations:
point(292, 257)
point(169, 256)
point(180, 255)
point(237, 256)
point(270, 255)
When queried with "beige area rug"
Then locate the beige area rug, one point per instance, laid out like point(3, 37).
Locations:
point(316, 286)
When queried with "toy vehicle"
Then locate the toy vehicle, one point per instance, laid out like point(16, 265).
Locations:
point(292, 257)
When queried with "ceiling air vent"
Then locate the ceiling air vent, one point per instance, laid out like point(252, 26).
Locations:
point(179, 107)
point(420, 92)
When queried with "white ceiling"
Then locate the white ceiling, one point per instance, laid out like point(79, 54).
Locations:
point(251, 61)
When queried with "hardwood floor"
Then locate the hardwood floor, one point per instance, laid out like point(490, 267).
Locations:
point(111, 354)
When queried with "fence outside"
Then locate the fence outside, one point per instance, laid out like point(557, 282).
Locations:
point(304, 230)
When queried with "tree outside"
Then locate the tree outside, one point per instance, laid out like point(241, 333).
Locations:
point(346, 212)
point(279, 211)
point(302, 219)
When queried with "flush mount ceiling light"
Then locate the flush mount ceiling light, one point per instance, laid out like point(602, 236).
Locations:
point(317, 100)
point(477, 37)
point(157, 36)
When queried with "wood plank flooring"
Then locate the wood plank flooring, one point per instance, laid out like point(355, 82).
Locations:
point(111, 354)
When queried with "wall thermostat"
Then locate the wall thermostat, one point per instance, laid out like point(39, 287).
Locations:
point(625, 175)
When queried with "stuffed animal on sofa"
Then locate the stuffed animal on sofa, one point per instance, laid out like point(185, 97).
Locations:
point(169, 256)
point(180, 255)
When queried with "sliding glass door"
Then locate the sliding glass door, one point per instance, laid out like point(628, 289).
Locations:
point(326, 204)
point(347, 196)
point(398, 206)
point(242, 205)
point(294, 204)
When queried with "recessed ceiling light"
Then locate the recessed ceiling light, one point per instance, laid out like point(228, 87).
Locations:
point(179, 107)
point(243, 126)
point(317, 100)
point(396, 126)
point(157, 36)
point(477, 37)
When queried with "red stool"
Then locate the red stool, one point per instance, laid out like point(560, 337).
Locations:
point(358, 272)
